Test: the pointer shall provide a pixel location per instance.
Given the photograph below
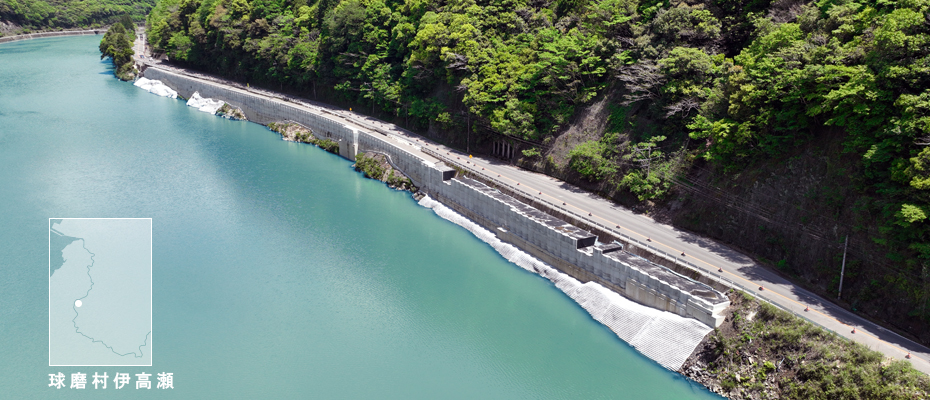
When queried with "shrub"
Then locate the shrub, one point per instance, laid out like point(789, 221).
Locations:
point(530, 153)
point(588, 160)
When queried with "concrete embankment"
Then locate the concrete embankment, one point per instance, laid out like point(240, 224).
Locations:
point(555, 242)
point(38, 35)
point(664, 337)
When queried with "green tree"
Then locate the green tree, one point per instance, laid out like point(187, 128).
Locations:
point(736, 82)
point(117, 44)
point(592, 159)
point(54, 14)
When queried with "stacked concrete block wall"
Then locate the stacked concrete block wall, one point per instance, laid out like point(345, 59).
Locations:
point(632, 276)
point(256, 108)
point(411, 165)
point(556, 242)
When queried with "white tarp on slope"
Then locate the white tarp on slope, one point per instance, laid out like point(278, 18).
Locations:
point(204, 104)
point(667, 338)
point(156, 87)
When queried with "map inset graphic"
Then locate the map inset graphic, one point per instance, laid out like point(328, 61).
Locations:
point(100, 292)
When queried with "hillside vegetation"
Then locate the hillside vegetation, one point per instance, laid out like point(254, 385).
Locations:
point(683, 86)
point(761, 352)
point(117, 46)
point(50, 14)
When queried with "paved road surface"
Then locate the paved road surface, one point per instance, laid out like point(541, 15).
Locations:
point(706, 254)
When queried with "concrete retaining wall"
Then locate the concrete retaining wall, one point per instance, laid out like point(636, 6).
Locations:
point(27, 36)
point(554, 241)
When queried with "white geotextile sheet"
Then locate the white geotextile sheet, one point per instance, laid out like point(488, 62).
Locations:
point(204, 104)
point(155, 87)
point(667, 338)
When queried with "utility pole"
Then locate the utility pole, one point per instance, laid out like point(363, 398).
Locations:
point(468, 130)
point(843, 270)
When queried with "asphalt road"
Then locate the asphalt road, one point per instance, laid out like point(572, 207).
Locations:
point(709, 256)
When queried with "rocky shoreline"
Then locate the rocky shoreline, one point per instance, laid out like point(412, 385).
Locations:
point(376, 166)
point(373, 165)
point(231, 112)
point(296, 133)
point(762, 352)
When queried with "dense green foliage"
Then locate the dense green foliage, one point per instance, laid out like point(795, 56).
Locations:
point(44, 14)
point(117, 44)
point(731, 82)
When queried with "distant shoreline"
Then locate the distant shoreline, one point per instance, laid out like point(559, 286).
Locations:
point(39, 35)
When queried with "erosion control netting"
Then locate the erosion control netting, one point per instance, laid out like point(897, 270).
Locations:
point(662, 336)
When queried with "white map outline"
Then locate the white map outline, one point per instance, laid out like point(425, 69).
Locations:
point(151, 266)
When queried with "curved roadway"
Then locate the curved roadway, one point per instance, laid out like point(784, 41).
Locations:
point(711, 257)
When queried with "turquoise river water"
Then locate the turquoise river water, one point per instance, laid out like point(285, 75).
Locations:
point(278, 271)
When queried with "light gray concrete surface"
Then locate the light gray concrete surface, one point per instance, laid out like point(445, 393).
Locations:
point(38, 35)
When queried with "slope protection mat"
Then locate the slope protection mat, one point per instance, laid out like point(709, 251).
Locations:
point(667, 338)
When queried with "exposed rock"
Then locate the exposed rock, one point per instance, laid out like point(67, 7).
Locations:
point(204, 104)
point(9, 28)
point(376, 166)
point(297, 133)
point(776, 355)
point(231, 112)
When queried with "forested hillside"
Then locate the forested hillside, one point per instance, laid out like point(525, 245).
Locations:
point(653, 92)
point(50, 14)
point(117, 46)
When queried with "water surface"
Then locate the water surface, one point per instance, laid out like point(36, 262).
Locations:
point(278, 271)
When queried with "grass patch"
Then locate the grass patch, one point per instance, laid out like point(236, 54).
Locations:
point(776, 354)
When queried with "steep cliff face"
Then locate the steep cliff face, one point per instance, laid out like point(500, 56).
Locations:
point(792, 213)
point(9, 27)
